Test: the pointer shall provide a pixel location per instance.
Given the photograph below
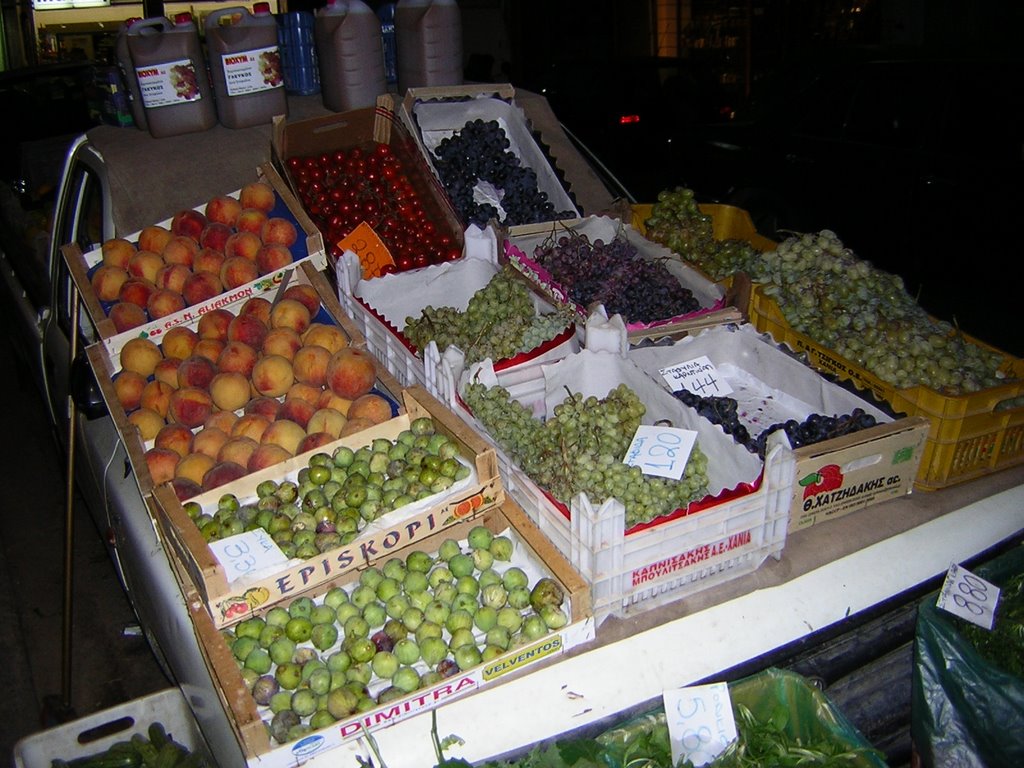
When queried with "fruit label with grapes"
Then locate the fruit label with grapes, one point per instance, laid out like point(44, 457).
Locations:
point(660, 451)
point(253, 71)
point(373, 255)
point(968, 596)
point(698, 376)
point(163, 85)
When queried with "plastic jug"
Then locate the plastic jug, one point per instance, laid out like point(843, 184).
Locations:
point(131, 82)
point(298, 52)
point(171, 73)
point(245, 65)
point(349, 48)
point(428, 38)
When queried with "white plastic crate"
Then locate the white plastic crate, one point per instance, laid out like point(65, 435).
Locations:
point(727, 536)
point(96, 733)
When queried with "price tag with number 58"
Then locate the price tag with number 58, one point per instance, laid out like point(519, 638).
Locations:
point(968, 596)
point(700, 722)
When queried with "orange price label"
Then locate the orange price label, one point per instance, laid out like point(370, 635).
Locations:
point(364, 242)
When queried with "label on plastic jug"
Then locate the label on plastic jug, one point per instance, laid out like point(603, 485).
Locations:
point(163, 85)
point(253, 71)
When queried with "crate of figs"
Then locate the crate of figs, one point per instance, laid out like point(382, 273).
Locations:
point(602, 261)
point(461, 609)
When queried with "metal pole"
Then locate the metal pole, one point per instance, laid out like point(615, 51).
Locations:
point(69, 515)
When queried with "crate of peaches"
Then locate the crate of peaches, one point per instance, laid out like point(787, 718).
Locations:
point(233, 245)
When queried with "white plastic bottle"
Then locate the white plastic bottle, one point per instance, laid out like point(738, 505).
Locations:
point(428, 39)
point(351, 55)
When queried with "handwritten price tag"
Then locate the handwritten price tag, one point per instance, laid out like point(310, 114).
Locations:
point(661, 451)
point(698, 376)
point(364, 243)
point(968, 596)
point(247, 553)
point(700, 722)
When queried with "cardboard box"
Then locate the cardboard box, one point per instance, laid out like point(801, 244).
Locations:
point(104, 357)
point(520, 243)
point(732, 531)
point(970, 435)
point(308, 246)
point(231, 600)
point(363, 128)
point(434, 114)
point(531, 551)
point(833, 477)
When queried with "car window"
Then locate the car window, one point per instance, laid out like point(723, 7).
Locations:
point(894, 105)
point(821, 108)
point(985, 117)
point(81, 224)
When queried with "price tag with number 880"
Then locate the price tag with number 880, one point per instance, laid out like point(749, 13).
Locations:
point(968, 596)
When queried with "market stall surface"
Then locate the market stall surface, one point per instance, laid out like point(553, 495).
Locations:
point(110, 663)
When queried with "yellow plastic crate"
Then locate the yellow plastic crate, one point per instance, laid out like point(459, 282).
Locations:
point(727, 223)
point(968, 437)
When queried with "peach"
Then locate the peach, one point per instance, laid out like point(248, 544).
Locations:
point(175, 437)
point(289, 313)
point(128, 386)
point(326, 420)
point(211, 349)
point(145, 264)
point(215, 236)
point(351, 372)
point(167, 371)
point(267, 407)
point(267, 455)
point(154, 238)
point(185, 489)
point(179, 342)
point(229, 390)
point(314, 440)
point(188, 222)
point(280, 230)
point(355, 425)
point(117, 252)
point(156, 396)
point(214, 324)
point(208, 260)
point(247, 329)
point(237, 357)
point(136, 290)
point(251, 425)
point(180, 250)
point(163, 302)
point(259, 195)
point(310, 365)
point(172, 277)
point(223, 209)
point(271, 257)
point(330, 337)
point(222, 420)
point(245, 244)
point(238, 450)
point(193, 467)
point(306, 294)
point(251, 220)
point(282, 341)
point(210, 440)
point(125, 316)
point(302, 391)
point(140, 355)
point(190, 406)
point(149, 423)
point(196, 371)
point(297, 410)
point(258, 306)
point(272, 375)
point(372, 407)
point(201, 286)
point(161, 463)
point(107, 280)
point(285, 433)
point(236, 271)
point(222, 473)
point(330, 400)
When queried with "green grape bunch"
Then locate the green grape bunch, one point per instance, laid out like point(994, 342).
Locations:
point(581, 447)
